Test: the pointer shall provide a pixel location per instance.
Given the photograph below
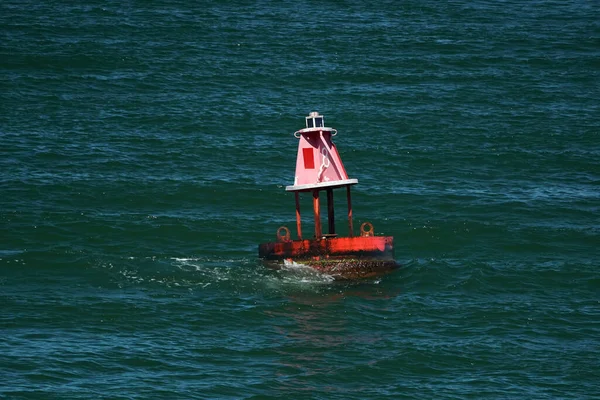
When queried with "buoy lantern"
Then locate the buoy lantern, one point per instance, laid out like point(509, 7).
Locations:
point(320, 168)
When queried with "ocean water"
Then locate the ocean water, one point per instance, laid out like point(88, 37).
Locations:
point(144, 152)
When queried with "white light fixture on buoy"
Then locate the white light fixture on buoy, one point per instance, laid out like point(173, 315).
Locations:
point(314, 120)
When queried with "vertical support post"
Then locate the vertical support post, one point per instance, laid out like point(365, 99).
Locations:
point(350, 227)
point(330, 212)
point(318, 231)
point(298, 220)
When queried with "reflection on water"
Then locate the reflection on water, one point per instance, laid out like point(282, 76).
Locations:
point(318, 330)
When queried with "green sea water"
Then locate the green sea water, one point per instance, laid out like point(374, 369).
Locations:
point(144, 152)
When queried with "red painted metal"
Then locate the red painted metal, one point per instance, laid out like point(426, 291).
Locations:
point(375, 246)
point(319, 167)
point(298, 219)
point(318, 163)
point(342, 258)
point(330, 212)
point(308, 154)
point(317, 209)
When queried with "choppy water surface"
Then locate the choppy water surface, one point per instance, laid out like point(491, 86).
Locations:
point(144, 151)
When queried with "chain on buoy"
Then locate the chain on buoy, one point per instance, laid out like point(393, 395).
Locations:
point(366, 232)
point(285, 237)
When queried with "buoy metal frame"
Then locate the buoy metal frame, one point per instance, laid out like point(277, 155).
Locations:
point(316, 139)
point(319, 168)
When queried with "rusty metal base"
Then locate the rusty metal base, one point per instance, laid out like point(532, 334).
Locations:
point(341, 258)
point(342, 269)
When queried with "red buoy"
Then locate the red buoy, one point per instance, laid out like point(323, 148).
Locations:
point(320, 168)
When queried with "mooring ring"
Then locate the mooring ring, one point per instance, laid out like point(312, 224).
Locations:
point(366, 232)
point(285, 237)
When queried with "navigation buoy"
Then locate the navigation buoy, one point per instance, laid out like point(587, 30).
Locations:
point(320, 168)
